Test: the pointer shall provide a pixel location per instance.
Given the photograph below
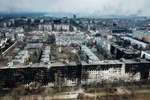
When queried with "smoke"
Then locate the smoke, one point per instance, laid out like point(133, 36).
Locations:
point(84, 7)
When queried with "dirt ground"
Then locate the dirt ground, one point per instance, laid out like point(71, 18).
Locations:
point(119, 94)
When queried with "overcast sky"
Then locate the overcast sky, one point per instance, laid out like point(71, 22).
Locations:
point(87, 7)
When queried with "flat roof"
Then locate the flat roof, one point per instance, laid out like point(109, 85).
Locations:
point(147, 51)
point(146, 33)
point(125, 61)
point(60, 64)
point(126, 50)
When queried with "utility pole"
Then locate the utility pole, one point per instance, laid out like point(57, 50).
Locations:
point(97, 69)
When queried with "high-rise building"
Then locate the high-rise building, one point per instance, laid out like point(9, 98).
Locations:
point(74, 16)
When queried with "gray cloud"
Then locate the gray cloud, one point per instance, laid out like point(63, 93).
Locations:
point(87, 7)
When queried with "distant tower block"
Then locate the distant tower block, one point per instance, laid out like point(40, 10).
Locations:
point(74, 16)
point(89, 28)
point(60, 49)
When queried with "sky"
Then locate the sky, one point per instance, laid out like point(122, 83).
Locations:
point(84, 7)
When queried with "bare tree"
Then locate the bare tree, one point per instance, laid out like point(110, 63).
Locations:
point(59, 81)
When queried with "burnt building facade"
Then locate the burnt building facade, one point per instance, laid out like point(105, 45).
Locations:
point(73, 75)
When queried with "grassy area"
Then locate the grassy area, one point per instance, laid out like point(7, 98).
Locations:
point(65, 54)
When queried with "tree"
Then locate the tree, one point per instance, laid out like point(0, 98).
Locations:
point(59, 81)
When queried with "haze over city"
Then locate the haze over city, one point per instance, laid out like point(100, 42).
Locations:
point(80, 7)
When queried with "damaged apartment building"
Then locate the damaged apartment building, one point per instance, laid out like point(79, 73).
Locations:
point(127, 70)
point(124, 47)
point(47, 69)
point(74, 58)
point(74, 74)
point(115, 71)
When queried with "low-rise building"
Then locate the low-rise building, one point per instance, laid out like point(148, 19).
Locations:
point(89, 56)
point(145, 54)
point(142, 35)
point(140, 44)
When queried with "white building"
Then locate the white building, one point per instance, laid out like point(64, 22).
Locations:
point(46, 27)
point(92, 58)
point(145, 54)
point(3, 42)
point(103, 44)
point(61, 27)
point(20, 36)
